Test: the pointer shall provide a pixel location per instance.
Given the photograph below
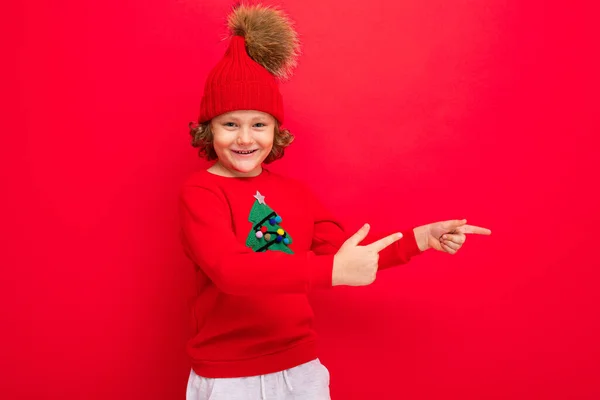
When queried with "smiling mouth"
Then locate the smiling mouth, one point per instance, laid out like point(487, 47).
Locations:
point(244, 152)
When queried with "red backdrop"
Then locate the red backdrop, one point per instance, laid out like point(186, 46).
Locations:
point(405, 112)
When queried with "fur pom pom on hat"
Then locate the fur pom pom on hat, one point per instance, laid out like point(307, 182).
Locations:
point(263, 49)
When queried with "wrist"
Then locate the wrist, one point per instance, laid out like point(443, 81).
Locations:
point(422, 237)
point(335, 271)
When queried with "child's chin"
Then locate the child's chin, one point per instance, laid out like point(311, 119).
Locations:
point(247, 166)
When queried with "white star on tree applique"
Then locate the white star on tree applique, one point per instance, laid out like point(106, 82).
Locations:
point(259, 197)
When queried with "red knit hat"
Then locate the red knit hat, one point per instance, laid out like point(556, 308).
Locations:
point(263, 48)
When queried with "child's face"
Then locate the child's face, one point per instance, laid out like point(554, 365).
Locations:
point(242, 140)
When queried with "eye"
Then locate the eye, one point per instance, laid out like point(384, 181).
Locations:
point(229, 124)
point(260, 125)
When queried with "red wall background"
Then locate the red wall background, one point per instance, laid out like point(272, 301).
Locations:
point(405, 112)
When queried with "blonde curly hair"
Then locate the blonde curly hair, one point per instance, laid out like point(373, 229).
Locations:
point(202, 138)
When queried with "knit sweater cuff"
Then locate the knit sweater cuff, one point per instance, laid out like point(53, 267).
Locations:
point(409, 244)
point(320, 271)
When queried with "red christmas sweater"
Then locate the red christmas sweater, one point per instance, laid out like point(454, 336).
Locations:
point(259, 245)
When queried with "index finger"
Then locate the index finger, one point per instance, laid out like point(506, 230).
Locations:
point(474, 229)
point(385, 242)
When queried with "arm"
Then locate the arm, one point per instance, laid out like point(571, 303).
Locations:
point(329, 235)
point(234, 268)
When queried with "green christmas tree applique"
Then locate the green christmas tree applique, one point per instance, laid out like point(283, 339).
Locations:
point(266, 233)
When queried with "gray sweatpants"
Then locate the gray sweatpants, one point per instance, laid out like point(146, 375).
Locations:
point(309, 381)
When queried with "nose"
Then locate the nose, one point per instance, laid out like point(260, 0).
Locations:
point(244, 136)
